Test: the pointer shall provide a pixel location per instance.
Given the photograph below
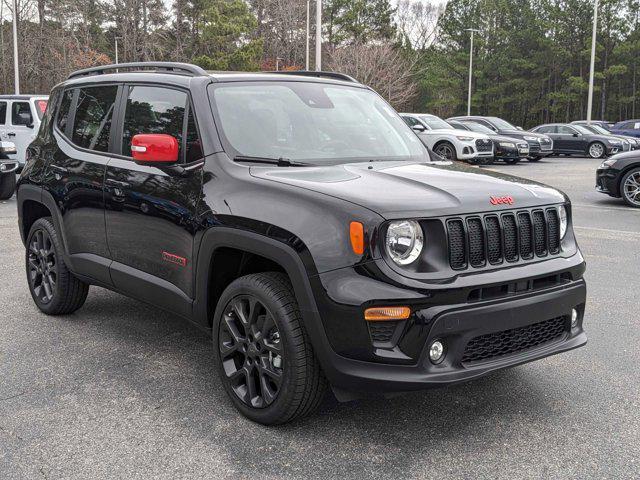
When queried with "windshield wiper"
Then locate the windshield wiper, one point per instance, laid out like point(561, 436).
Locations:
point(280, 162)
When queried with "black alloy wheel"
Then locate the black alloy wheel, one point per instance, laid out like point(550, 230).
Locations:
point(42, 266)
point(251, 352)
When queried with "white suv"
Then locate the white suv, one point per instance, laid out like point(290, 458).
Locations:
point(449, 142)
point(20, 117)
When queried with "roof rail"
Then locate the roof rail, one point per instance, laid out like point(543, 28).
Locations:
point(165, 67)
point(311, 73)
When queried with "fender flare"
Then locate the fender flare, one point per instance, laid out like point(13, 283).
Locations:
point(41, 196)
point(277, 251)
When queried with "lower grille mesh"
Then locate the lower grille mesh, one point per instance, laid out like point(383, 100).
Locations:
point(382, 332)
point(502, 343)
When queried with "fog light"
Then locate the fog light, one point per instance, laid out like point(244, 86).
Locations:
point(574, 318)
point(436, 351)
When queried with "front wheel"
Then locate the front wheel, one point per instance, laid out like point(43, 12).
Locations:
point(630, 188)
point(55, 290)
point(511, 161)
point(534, 159)
point(265, 359)
point(596, 150)
point(446, 150)
point(7, 185)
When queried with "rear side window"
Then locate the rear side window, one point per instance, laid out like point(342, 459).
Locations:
point(92, 123)
point(3, 112)
point(21, 113)
point(63, 113)
point(160, 110)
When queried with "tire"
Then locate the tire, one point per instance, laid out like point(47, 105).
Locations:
point(534, 159)
point(269, 353)
point(54, 289)
point(596, 150)
point(446, 150)
point(7, 185)
point(511, 161)
point(630, 188)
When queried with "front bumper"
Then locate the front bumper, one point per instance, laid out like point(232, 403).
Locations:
point(399, 361)
point(470, 150)
point(607, 181)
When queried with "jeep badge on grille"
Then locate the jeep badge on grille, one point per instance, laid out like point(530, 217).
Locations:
point(501, 200)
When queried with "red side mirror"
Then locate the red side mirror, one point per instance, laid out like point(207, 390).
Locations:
point(154, 148)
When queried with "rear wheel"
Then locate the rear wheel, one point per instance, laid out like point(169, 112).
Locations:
point(446, 150)
point(511, 161)
point(7, 185)
point(55, 290)
point(630, 187)
point(596, 150)
point(265, 359)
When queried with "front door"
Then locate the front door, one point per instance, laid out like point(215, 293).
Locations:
point(151, 211)
point(75, 174)
point(569, 139)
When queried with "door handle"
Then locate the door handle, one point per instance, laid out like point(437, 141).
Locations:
point(116, 183)
point(11, 134)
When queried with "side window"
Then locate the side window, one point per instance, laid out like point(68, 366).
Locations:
point(21, 113)
point(154, 110)
point(63, 112)
point(564, 130)
point(193, 146)
point(636, 126)
point(92, 123)
point(3, 112)
point(410, 121)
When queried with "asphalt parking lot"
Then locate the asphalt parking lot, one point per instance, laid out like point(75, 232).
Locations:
point(123, 390)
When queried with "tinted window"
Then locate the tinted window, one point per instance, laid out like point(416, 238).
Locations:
point(63, 113)
point(193, 145)
point(563, 129)
point(21, 113)
point(93, 117)
point(154, 110)
point(546, 129)
point(3, 112)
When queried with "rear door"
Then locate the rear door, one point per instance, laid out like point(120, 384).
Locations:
point(75, 174)
point(151, 212)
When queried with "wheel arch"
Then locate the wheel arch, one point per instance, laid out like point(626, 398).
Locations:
point(623, 173)
point(33, 203)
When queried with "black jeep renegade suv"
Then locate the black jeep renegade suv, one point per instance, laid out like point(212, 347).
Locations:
point(302, 224)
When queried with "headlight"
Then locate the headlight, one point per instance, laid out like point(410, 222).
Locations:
point(562, 211)
point(404, 241)
point(615, 142)
point(608, 163)
point(531, 139)
point(465, 139)
point(507, 144)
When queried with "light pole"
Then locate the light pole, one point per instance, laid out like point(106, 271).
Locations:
point(318, 35)
point(472, 30)
point(307, 37)
point(16, 68)
point(593, 61)
point(116, 39)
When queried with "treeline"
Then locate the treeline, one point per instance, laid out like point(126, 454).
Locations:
point(531, 61)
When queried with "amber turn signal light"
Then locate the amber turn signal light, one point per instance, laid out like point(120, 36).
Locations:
point(356, 232)
point(380, 314)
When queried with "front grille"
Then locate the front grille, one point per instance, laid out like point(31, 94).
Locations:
point(534, 147)
point(515, 340)
point(545, 144)
point(382, 332)
point(495, 238)
point(484, 145)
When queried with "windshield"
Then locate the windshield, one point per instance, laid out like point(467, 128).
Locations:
point(476, 127)
point(434, 123)
point(312, 122)
point(599, 129)
point(582, 129)
point(501, 124)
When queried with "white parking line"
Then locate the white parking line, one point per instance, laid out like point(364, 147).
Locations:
point(623, 209)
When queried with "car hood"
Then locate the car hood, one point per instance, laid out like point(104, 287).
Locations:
point(408, 189)
point(457, 133)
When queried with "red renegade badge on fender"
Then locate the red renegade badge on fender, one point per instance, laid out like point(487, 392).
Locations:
point(501, 200)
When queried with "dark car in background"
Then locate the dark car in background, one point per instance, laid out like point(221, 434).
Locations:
point(577, 140)
point(601, 123)
point(627, 127)
point(506, 149)
point(619, 177)
point(597, 128)
point(540, 146)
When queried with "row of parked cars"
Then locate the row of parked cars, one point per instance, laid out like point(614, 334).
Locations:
point(479, 139)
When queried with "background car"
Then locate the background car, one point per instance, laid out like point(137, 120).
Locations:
point(576, 139)
point(20, 117)
point(448, 142)
point(627, 127)
point(598, 128)
point(8, 169)
point(601, 123)
point(619, 177)
point(506, 149)
point(540, 146)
